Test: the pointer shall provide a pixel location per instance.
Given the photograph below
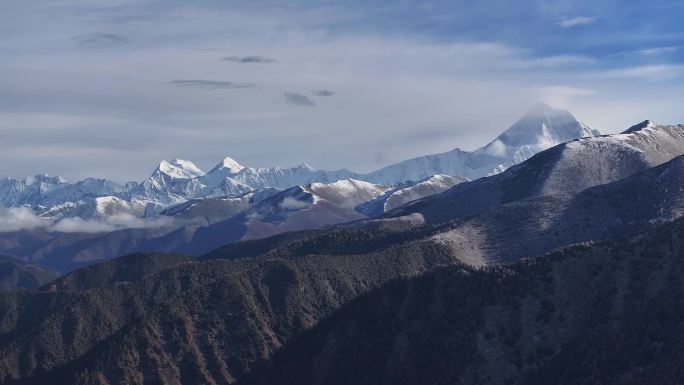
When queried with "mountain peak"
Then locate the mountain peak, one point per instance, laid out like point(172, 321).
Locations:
point(640, 126)
point(230, 165)
point(179, 168)
point(546, 126)
point(305, 166)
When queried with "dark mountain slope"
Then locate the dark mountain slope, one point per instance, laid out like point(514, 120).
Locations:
point(130, 268)
point(68, 251)
point(593, 314)
point(214, 317)
point(16, 273)
point(210, 320)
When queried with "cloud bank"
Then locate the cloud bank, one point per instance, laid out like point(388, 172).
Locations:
point(22, 218)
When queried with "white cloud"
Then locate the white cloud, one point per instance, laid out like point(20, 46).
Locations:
point(79, 225)
point(19, 218)
point(290, 203)
point(23, 218)
point(576, 21)
point(110, 223)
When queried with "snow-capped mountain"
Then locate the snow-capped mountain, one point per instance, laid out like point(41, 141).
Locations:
point(179, 181)
point(570, 167)
point(540, 128)
point(44, 191)
point(551, 178)
point(407, 192)
point(231, 172)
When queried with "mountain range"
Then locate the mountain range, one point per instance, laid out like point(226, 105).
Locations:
point(281, 298)
point(180, 208)
point(179, 181)
point(564, 268)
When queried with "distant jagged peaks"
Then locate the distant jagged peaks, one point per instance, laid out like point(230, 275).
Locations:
point(45, 179)
point(177, 181)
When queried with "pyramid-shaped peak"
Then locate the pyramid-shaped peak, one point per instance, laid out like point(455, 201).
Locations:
point(230, 165)
point(541, 127)
point(179, 168)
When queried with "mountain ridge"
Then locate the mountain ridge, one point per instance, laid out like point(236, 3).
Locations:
point(180, 180)
point(594, 161)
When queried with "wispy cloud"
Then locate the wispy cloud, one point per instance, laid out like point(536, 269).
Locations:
point(298, 99)
point(387, 70)
point(323, 93)
point(210, 84)
point(550, 61)
point(562, 96)
point(656, 51)
point(249, 59)
point(100, 40)
point(653, 72)
point(576, 21)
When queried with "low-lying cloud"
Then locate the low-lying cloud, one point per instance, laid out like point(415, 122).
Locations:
point(20, 218)
point(23, 218)
point(109, 223)
point(210, 84)
point(290, 203)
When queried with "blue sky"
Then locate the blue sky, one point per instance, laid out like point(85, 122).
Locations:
point(92, 88)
